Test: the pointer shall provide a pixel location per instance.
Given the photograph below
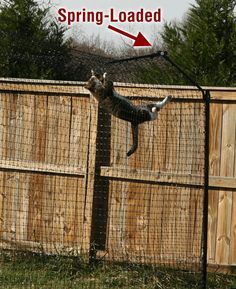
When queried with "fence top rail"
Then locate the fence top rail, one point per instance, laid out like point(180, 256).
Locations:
point(40, 81)
point(217, 93)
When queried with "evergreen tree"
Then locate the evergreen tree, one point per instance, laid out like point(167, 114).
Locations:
point(31, 44)
point(205, 42)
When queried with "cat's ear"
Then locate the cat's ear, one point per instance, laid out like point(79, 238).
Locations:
point(92, 72)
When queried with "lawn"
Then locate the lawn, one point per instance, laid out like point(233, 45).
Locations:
point(24, 270)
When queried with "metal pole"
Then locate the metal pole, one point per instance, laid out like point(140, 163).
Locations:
point(183, 72)
point(157, 54)
point(206, 97)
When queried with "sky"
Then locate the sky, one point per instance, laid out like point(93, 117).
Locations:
point(170, 10)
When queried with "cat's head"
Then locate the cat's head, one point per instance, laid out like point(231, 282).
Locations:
point(95, 81)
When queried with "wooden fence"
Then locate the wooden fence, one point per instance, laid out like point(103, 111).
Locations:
point(222, 194)
point(49, 161)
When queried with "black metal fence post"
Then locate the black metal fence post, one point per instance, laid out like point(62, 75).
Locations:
point(206, 97)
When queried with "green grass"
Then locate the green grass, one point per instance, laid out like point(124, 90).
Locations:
point(21, 270)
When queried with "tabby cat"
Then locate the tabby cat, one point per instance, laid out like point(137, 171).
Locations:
point(103, 90)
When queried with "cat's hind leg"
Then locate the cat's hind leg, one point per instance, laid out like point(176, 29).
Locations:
point(134, 128)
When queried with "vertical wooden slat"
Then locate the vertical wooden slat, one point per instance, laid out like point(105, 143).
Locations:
point(35, 212)
point(187, 139)
point(173, 132)
point(232, 259)
point(215, 138)
point(11, 111)
point(232, 252)
point(160, 141)
point(53, 116)
point(40, 129)
point(18, 149)
point(3, 144)
point(23, 151)
point(79, 129)
point(228, 140)
point(91, 149)
point(82, 154)
point(155, 224)
point(22, 208)
point(61, 107)
point(225, 198)
point(197, 133)
point(168, 226)
point(60, 191)
point(63, 123)
point(194, 216)
point(25, 124)
point(10, 206)
point(116, 233)
point(213, 198)
point(223, 228)
point(3, 120)
point(2, 198)
point(48, 201)
point(73, 208)
point(216, 112)
point(3, 124)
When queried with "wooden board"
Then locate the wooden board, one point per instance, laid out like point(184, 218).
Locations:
point(11, 193)
point(39, 87)
point(79, 132)
point(225, 197)
point(213, 197)
point(215, 138)
point(232, 252)
point(40, 129)
point(90, 177)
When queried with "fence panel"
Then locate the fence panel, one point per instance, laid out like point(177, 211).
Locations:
point(222, 196)
point(50, 171)
point(45, 181)
point(155, 197)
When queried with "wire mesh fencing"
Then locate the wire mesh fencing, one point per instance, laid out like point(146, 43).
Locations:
point(69, 189)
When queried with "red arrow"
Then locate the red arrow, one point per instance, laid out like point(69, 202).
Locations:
point(140, 40)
